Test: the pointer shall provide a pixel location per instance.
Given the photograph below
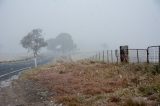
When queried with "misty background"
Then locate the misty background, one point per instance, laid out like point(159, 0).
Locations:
point(91, 23)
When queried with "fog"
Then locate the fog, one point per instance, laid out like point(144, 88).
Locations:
point(90, 22)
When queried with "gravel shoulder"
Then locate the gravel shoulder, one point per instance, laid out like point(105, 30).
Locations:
point(24, 93)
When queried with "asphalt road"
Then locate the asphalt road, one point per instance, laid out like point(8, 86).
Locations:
point(8, 67)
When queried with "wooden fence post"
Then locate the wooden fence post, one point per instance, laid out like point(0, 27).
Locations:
point(92, 58)
point(96, 57)
point(112, 56)
point(103, 56)
point(137, 56)
point(116, 54)
point(99, 56)
point(107, 56)
point(148, 55)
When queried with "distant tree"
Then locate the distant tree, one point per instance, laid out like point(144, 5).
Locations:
point(62, 43)
point(52, 44)
point(34, 41)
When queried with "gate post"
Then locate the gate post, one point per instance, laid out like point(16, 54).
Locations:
point(124, 54)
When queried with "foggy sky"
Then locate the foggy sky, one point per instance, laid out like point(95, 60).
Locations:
point(90, 22)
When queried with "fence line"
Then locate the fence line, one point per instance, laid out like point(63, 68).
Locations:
point(148, 55)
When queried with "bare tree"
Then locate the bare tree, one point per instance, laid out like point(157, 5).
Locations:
point(34, 41)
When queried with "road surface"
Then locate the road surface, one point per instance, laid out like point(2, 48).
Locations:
point(9, 67)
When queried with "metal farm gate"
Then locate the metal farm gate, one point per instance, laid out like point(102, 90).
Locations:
point(137, 55)
point(153, 54)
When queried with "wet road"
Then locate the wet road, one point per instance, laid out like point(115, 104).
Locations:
point(8, 67)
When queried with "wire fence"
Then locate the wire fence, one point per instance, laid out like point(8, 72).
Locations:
point(137, 55)
point(148, 55)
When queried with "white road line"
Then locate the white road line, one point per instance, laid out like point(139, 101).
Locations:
point(14, 71)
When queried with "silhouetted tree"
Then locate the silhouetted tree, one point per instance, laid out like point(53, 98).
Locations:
point(34, 41)
point(62, 43)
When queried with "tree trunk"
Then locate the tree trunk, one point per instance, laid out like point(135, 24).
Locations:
point(35, 61)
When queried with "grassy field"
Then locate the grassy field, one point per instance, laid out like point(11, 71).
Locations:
point(88, 83)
